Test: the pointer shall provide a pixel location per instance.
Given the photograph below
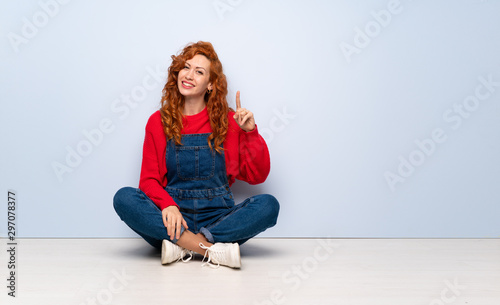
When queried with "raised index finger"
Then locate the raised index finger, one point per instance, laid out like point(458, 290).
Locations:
point(238, 102)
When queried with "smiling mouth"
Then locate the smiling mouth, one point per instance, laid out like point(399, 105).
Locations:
point(187, 85)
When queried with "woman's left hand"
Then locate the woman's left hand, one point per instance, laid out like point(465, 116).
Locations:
point(243, 117)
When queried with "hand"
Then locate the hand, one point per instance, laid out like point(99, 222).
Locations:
point(243, 117)
point(172, 220)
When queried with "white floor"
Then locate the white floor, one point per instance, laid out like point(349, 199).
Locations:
point(274, 271)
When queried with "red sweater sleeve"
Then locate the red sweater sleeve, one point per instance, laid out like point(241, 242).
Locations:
point(250, 160)
point(153, 170)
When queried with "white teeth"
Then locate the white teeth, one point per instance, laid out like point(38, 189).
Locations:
point(188, 85)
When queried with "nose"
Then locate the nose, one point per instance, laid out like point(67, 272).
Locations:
point(189, 75)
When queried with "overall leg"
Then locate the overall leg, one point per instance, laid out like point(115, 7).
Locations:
point(244, 220)
point(141, 215)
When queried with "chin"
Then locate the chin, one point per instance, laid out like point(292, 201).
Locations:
point(184, 92)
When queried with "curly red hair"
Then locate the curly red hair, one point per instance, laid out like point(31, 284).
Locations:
point(172, 102)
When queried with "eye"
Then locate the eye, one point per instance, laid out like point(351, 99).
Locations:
point(186, 67)
point(200, 72)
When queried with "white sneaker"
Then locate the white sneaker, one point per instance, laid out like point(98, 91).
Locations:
point(222, 254)
point(170, 252)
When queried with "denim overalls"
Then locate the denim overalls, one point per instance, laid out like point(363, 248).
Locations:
point(197, 181)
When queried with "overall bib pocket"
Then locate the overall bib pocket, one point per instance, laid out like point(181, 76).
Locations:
point(188, 162)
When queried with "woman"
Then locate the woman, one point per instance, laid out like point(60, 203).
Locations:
point(194, 149)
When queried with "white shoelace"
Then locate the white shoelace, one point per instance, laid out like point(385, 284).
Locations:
point(184, 253)
point(218, 255)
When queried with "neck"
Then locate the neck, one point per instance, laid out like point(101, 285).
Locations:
point(193, 106)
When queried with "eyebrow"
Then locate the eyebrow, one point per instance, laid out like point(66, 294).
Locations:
point(196, 67)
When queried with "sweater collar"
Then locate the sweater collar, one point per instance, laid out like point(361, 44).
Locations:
point(198, 116)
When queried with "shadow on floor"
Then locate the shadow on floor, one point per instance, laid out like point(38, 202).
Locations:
point(139, 250)
point(250, 249)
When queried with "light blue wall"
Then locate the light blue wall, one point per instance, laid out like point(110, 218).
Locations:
point(348, 94)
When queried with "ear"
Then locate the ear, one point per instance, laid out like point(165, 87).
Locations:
point(210, 86)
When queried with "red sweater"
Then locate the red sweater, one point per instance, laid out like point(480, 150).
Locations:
point(246, 155)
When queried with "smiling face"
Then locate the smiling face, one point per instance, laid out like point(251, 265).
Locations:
point(194, 79)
